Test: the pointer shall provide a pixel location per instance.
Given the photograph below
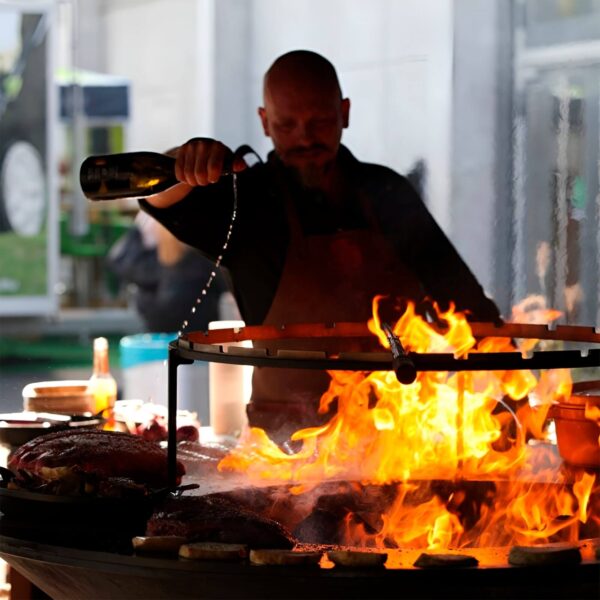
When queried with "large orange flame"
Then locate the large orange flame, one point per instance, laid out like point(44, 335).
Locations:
point(445, 426)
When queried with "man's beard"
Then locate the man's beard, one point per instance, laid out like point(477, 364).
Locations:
point(312, 175)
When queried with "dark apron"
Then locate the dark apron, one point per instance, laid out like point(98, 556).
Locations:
point(326, 278)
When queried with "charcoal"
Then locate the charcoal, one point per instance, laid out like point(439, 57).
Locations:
point(320, 527)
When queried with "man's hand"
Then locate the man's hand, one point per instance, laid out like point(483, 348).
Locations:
point(201, 161)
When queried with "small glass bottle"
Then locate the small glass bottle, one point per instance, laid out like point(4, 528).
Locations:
point(103, 385)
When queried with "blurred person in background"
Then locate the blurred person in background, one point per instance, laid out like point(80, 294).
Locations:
point(167, 276)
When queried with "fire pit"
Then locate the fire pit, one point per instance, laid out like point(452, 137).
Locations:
point(454, 438)
point(469, 481)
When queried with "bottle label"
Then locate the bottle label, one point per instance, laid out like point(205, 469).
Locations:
point(105, 395)
point(102, 173)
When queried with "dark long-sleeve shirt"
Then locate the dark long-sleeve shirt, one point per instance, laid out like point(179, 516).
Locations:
point(256, 253)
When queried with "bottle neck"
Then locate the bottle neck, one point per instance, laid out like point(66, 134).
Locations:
point(101, 362)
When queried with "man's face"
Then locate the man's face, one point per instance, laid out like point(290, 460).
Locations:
point(305, 123)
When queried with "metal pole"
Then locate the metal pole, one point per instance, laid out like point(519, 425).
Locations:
point(79, 222)
point(175, 359)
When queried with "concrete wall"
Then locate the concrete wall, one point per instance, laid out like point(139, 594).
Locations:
point(165, 49)
point(481, 142)
point(394, 60)
point(81, 35)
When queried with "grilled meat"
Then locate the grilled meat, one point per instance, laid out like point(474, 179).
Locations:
point(91, 462)
point(217, 519)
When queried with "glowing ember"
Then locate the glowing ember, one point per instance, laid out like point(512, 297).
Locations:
point(453, 427)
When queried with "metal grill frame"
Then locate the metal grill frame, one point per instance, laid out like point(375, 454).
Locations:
point(213, 346)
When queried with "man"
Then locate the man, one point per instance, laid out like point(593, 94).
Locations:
point(318, 234)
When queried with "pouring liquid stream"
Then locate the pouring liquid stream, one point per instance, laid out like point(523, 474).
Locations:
point(219, 259)
point(241, 152)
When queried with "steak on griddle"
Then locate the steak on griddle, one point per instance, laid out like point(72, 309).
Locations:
point(91, 462)
point(214, 518)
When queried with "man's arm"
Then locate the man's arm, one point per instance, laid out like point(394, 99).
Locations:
point(432, 257)
point(171, 196)
point(445, 275)
point(197, 210)
point(198, 162)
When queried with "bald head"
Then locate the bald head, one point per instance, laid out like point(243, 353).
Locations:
point(301, 68)
point(304, 114)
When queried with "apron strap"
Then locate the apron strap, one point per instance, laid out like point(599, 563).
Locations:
point(243, 151)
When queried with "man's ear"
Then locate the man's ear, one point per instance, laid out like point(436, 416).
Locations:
point(345, 112)
point(262, 113)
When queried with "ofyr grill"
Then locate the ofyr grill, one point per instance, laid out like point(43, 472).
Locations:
point(214, 346)
point(76, 573)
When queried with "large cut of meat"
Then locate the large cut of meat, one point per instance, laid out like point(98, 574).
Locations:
point(93, 459)
point(214, 518)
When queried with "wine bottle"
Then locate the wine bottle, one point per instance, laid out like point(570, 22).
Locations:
point(128, 175)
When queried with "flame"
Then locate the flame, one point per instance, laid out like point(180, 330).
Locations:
point(533, 310)
point(454, 427)
point(592, 412)
point(582, 490)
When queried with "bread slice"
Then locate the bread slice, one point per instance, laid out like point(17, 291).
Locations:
point(158, 544)
point(357, 558)
point(548, 554)
point(213, 551)
point(428, 561)
point(283, 557)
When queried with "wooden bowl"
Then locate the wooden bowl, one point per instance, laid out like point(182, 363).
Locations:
point(66, 397)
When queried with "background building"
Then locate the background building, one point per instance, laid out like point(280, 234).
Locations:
point(490, 106)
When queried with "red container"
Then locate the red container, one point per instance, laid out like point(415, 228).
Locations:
point(578, 437)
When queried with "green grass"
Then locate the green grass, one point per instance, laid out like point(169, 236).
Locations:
point(23, 261)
